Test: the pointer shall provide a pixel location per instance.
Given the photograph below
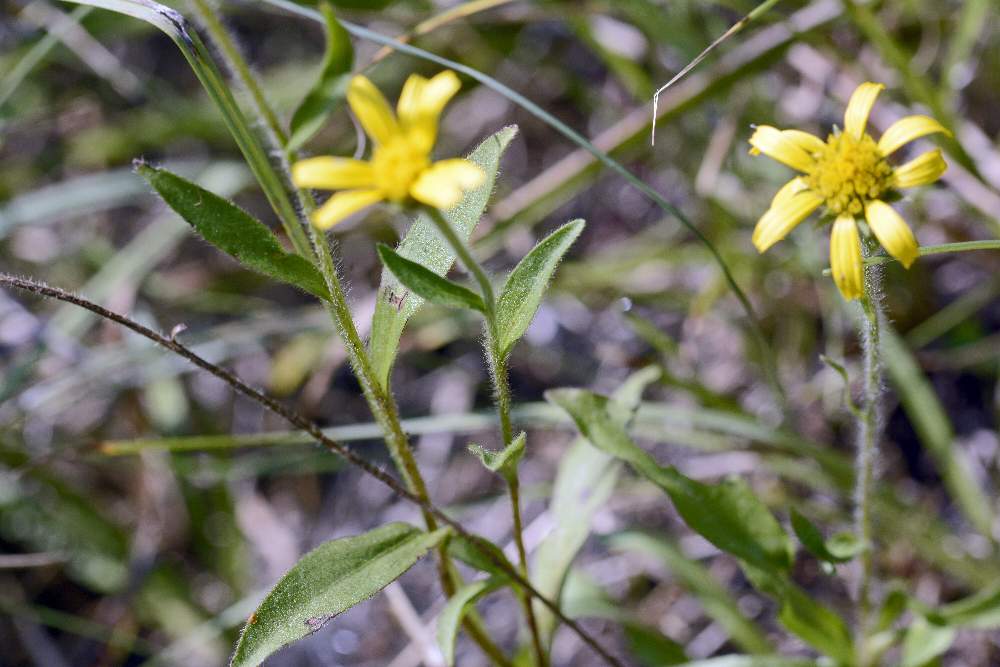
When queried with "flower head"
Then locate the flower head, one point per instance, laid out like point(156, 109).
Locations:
point(850, 175)
point(400, 169)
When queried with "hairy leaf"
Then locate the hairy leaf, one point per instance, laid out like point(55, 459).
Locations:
point(505, 461)
point(233, 230)
point(425, 283)
point(522, 293)
point(422, 244)
point(327, 581)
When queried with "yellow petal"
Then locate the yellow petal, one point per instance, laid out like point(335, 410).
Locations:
point(442, 185)
point(810, 143)
point(845, 257)
point(776, 144)
point(921, 170)
point(858, 108)
point(905, 130)
point(420, 105)
point(332, 173)
point(783, 217)
point(372, 110)
point(892, 232)
point(343, 204)
point(792, 187)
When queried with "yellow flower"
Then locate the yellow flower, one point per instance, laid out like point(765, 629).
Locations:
point(850, 174)
point(400, 169)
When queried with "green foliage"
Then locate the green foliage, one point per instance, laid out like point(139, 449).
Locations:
point(329, 89)
point(426, 284)
point(840, 548)
point(924, 641)
point(717, 602)
point(522, 293)
point(422, 244)
point(505, 461)
point(327, 581)
point(727, 514)
point(233, 230)
point(458, 606)
point(584, 482)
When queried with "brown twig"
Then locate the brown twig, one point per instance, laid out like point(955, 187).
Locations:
point(310, 427)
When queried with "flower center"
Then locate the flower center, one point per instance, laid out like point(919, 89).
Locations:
point(397, 164)
point(849, 172)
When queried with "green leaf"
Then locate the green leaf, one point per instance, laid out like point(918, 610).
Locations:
point(233, 230)
point(425, 246)
point(801, 615)
point(727, 514)
point(461, 548)
point(838, 549)
point(522, 293)
point(714, 598)
point(427, 284)
point(505, 461)
point(752, 661)
point(329, 90)
point(453, 613)
point(925, 641)
point(583, 484)
point(651, 647)
point(327, 581)
point(981, 610)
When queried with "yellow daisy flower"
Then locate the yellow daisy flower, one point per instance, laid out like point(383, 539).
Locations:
point(850, 174)
point(400, 169)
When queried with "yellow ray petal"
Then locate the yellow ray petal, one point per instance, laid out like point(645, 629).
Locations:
point(343, 204)
point(774, 143)
point(845, 257)
point(892, 232)
point(332, 173)
point(420, 105)
point(905, 130)
point(782, 218)
point(442, 185)
point(372, 110)
point(858, 108)
point(792, 187)
point(810, 143)
point(921, 170)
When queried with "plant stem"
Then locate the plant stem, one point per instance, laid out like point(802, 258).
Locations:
point(501, 387)
point(869, 424)
point(380, 401)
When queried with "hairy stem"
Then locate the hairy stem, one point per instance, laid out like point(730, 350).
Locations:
point(501, 389)
point(380, 401)
point(314, 431)
point(869, 425)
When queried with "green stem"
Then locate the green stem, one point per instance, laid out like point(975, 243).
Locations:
point(501, 387)
point(380, 401)
point(867, 451)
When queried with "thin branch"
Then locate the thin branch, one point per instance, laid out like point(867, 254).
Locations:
point(310, 427)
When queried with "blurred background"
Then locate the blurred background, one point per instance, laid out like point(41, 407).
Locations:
point(142, 512)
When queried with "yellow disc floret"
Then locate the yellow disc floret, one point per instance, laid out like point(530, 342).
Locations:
point(849, 172)
point(397, 165)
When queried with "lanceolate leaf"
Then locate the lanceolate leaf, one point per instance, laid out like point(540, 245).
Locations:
point(456, 609)
point(425, 283)
point(838, 549)
point(425, 246)
point(234, 231)
point(727, 514)
point(505, 461)
point(583, 484)
point(525, 286)
point(327, 581)
point(330, 88)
